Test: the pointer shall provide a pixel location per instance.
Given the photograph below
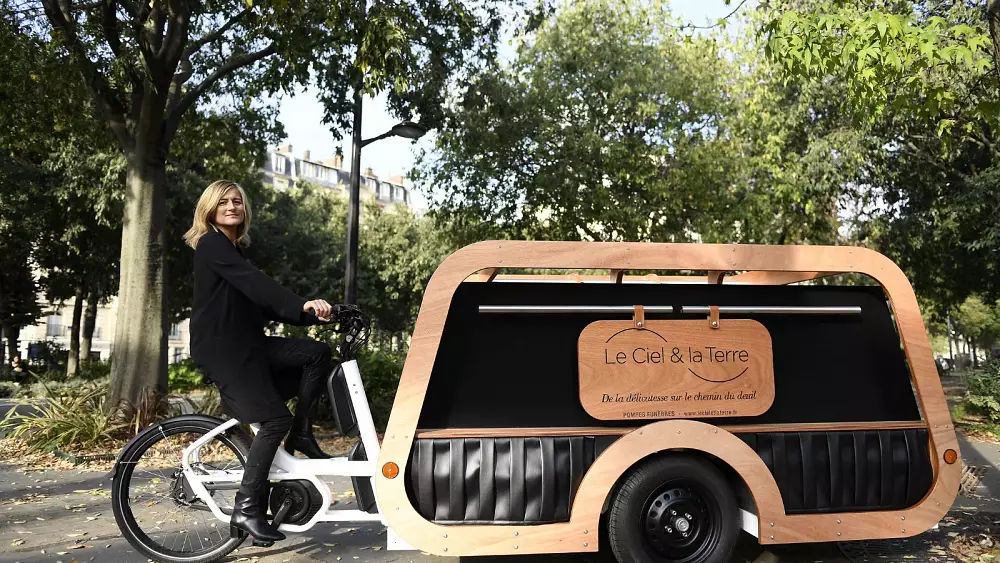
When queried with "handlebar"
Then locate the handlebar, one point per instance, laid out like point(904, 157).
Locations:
point(354, 325)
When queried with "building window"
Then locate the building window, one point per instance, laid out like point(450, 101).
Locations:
point(278, 163)
point(53, 326)
point(175, 331)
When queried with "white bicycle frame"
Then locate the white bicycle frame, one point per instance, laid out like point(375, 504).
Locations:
point(288, 467)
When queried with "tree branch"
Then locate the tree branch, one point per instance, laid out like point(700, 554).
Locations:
point(111, 109)
point(109, 23)
point(183, 74)
point(210, 37)
point(175, 113)
point(177, 35)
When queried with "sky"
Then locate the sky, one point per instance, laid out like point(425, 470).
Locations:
point(301, 114)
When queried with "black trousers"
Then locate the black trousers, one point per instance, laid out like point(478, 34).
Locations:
point(299, 367)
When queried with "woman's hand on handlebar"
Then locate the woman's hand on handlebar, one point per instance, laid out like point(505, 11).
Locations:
point(320, 308)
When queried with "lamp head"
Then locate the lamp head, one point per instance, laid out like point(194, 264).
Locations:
point(409, 130)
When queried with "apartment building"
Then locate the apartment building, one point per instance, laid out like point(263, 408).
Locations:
point(283, 169)
point(56, 328)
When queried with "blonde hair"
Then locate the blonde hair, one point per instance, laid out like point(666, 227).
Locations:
point(206, 209)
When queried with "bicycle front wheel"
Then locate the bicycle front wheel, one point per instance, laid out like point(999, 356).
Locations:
point(154, 506)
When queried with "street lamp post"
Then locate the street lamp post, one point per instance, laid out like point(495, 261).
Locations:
point(407, 130)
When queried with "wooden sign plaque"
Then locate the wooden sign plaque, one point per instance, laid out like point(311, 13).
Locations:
point(675, 369)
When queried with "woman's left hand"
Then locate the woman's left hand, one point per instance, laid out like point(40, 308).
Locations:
point(320, 307)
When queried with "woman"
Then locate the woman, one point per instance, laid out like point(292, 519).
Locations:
point(255, 373)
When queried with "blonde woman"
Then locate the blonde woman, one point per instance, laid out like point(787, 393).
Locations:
point(255, 373)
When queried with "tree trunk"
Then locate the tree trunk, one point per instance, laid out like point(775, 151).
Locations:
point(993, 21)
point(73, 360)
point(89, 323)
point(140, 343)
point(11, 333)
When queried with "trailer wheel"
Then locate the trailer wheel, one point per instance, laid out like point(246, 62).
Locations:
point(677, 509)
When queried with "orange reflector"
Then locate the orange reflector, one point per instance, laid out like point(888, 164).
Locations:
point(950, 456)
point(390, 470)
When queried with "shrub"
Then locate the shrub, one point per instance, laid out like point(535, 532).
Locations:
point(43, 388)
point(983, 391)
point(92, 370)
point(149, 408)
point(9, 389)
point(183, 376)
point(380, 371)
point(74, 416)
point(210, 403)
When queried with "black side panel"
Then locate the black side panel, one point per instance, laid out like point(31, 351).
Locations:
point(499, 480)
point(846, 471)
point(340, 400)
point(363, 492)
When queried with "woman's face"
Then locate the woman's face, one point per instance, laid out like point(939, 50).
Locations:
point(229, 212)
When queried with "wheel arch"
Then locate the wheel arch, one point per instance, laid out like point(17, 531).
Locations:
point(738, 462)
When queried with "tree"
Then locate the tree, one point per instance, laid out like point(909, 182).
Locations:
point(979, 323)
point(921, 83)
point(400, 251)
point(22, 193)
point(83, 232)
point(583, 135)
point(614, 125)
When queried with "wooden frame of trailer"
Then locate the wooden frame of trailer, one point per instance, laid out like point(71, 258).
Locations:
point(767, 265)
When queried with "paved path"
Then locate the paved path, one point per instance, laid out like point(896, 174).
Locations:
point(46, 515)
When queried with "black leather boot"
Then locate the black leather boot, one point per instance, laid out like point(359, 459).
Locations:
point(303, 440)
point(300, 436)
point(248, 516)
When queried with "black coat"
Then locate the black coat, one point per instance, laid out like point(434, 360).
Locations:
point(232, 303)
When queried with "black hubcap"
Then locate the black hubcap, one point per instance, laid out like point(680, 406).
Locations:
point(677, 523)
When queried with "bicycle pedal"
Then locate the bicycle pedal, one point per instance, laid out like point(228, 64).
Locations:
point(262, 543)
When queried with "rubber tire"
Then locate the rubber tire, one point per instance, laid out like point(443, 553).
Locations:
point(624, 536)
point(138, 445)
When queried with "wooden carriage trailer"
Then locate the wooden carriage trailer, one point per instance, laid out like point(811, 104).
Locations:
point(489, 449)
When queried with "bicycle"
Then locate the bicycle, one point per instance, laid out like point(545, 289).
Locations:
point(196, 468)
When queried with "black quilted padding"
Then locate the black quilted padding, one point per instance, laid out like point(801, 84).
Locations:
point(846, 471)
point(499, 480)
